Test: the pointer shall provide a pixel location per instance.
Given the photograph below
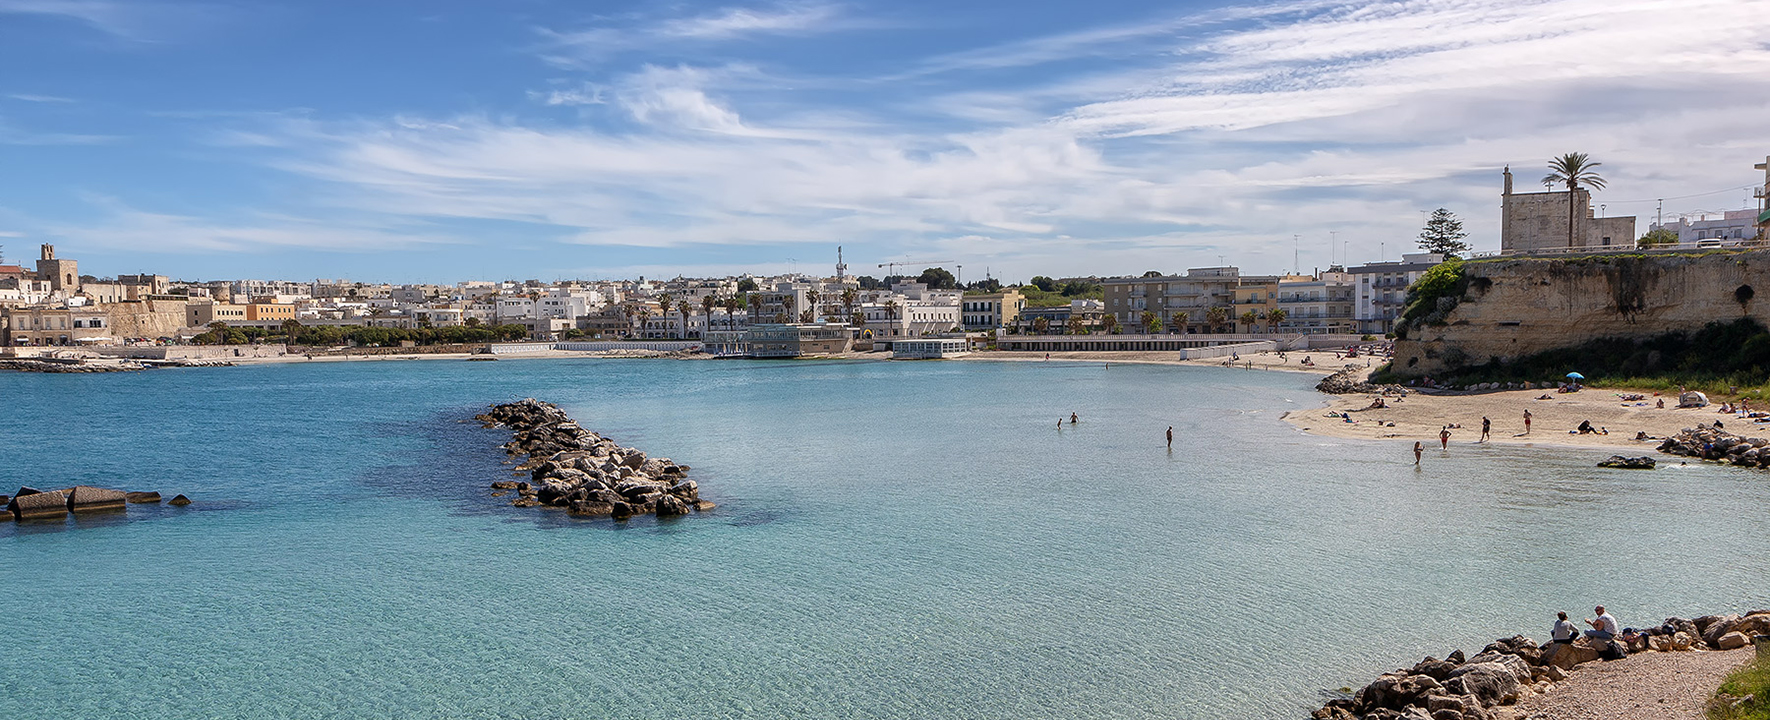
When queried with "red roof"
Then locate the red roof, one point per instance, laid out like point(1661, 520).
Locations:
point(11, 270)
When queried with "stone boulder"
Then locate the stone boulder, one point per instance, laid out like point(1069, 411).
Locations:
point(1512, 663)
point(670, 505)
point(1395, 692)
point(85, 498)
point(1568, 655)
point(1453, 707)
point(1718, 627)
point(38, 505)
point(179, 500)
point(1628, 463)
point(1731, 641)
point(142, 497)
point(1491, 683)
point(1434, 668)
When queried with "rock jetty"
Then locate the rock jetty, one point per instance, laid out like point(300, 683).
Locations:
point(32, 504)
point(1508, 669)
point(1629, 463)
point(44, 366)
point(585, 473)
point(1350, 381)
point(1707, 442)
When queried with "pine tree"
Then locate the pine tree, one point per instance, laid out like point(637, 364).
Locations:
point(1444, 234)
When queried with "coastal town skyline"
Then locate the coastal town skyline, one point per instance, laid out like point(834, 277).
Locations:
point(721, 139)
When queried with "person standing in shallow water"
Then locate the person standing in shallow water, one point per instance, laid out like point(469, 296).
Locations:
point(1170, 437)
point(1072, 418)
point(1444, 439)
point(1486, 427)
point(1419, 448)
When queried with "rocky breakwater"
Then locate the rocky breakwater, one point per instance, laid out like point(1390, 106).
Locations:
point(1471, 688)
point(1707, 442)
point(587, 474)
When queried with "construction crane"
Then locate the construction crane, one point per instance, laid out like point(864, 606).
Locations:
point(891, 267)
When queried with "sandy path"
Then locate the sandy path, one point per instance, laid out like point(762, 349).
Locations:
point(1645, 686)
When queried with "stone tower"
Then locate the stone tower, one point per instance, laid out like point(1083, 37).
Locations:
point(62, 275)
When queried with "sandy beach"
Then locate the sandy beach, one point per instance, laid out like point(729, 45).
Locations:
point(1324, 360)
point(1420, 416)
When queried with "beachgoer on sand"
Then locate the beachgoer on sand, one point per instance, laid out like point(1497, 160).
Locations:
point(1486, 427)
point(1527, 422)
point(1603, 627)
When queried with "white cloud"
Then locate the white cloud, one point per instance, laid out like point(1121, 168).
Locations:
point(1246, 127)
point(594, 44)
point(126, 228)
point(733, 22)
point(136, 20)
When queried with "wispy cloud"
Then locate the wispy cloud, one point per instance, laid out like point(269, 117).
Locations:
point(39, 98)
point(135, 20)
point(120, 226)
point(13, 135)
point(573, 47)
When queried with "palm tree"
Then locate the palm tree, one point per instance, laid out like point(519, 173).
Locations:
point(1178, 322)
point(1076, 326)
point(811, 304)
point(1110, 323)
point(1249, 318)
point(786, 313)
point(891, 315)
point(684, 307)
point(850, 298)
point(707, 304)
point(1274, 317)
point(1573, 169)
point(1041, 324)
point(1217, 317)
point(1152, 323)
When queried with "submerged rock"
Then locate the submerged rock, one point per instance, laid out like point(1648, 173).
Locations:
point(142, 497)
point(179, 500)
point(1628, 463)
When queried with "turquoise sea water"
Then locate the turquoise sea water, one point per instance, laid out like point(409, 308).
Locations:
point(894, 540)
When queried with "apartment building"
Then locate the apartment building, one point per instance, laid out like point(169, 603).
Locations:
point(991, 311)
point(1381, 290)
point(1194, 293)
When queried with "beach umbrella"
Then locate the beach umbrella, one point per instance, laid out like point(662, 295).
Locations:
point(1575, 376)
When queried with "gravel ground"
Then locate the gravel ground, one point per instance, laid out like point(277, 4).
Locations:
point(1647, 686)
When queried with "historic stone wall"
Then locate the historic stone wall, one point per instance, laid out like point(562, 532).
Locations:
point(149, 319)
point(1523, 306)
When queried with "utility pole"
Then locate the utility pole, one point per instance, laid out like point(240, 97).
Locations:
point(960, 280)
point(1659, 216)
point(1297, 254)
point(1333, 244)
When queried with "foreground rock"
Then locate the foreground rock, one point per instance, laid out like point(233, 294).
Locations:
point(1512, 669)
point(1628, 463)
point(44, 366)
point(587, 474)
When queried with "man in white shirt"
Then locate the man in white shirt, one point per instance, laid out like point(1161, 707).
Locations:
point(1604, 627)
point(1564, 631)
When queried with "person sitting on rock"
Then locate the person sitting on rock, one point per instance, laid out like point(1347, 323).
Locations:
point(1564, 632)
point(1603, 627)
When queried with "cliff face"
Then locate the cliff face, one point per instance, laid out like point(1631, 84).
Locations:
point(1518, 307)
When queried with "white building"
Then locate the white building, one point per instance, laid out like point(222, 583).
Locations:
point(1733, 227)
point(1381, 289)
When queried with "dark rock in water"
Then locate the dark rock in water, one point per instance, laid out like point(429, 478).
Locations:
point(24, 490)
point(5, 500)
point(591, 508)
point(39, 505)
point(179, 500)
point(620, 510)
point(504, 485)
point(525, 502)
point(142, 497)
point(86, 498)
point(1628, 463)
point(670, 505)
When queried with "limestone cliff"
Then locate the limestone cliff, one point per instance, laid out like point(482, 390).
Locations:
point(1515, 307)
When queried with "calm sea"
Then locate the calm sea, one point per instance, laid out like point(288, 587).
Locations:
point(894, 540)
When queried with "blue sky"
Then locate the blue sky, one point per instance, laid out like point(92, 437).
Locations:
point(442, 141)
